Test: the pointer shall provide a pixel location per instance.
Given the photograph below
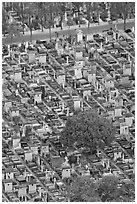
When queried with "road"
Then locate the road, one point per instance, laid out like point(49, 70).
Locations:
point(37, 35)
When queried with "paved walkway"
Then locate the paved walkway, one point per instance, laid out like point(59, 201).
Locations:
point(94, 28)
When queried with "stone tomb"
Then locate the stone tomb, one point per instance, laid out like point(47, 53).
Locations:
point(31, 57)
point(42, 58)
point(79, 35)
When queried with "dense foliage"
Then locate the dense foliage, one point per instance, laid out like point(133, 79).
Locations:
point(87, 129)
point(107, 189)
point(83, 189)
point(46, 12)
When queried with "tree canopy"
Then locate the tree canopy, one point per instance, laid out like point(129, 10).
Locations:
point(83, 189)
point(107, 189)
point(122, 9)
point(87, 129)
point(110, 188)
point(4, 21)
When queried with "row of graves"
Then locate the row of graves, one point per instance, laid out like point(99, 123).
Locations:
point(39, 92)
point(115, 100)
point(15, 89)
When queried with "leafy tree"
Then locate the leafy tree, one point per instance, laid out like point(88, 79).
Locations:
point(19, 7)
point(69, 23)
point(127, 192)
point(60, 8)
point(13, 30)
point(121, 8)
point(4, 21)
point(83, 189)
point(41, 12)
point(87, 129)
point(30, 12)
point(48, 16)
point(77, 6)
point(124, 9)
point(16, 119)
point(97, 9)
point(113, 10)
point(89, 12)
point(109, 190)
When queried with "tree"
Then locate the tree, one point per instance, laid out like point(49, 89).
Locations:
point(77, 6)
point(83, 189)
point(51, 20)
point(89, 11)
point(41, 12)
point(97, 8)
point(4, 21)
point(69, 23)
point(107, 188)
point(19, 7)
point(30, 12)
point(60, 8)
point(87, 129)
point(49, 10)
point(16, 120)
point(121, 8)
point(13, 30)
point(110, 190)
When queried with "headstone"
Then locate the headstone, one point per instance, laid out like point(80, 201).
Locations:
point(61, 79)
point(125, 80)
point(66, 16)
point(32, 57)
point(86, 93)
point(16, 143)
point(42, 167)
point(8, 186)
point(129, 121)
point(79, 55)
point(19, 59)
point(114, 35)
point(77, 104)
point(106, 39)
point(117, 35)
point(101, 45)
point(22, 191)
point(37, 98)
point(67, 60)
point(42, 59)
point(54, 180)
point(18, 76)
point(32, 188)
point(118, 112)
point(66, 173)
point(127, 71)
point(89, 37)
point(79, 63)
point(82, 105)
point(40, 190)
point(78, 73)
point(63, 105)
point(124, 129)
point(67, 111)
point(79, 36)
point(85, 73)
point(28, 156)
point(73, 169)
point(91, 78)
